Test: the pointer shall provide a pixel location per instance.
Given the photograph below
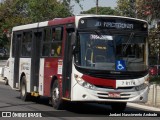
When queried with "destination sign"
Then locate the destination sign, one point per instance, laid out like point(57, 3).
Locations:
point(118, 25)
point(112, 23)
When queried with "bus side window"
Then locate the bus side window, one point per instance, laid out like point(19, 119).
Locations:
point(45, 50)
point(56, 45)
point(52, 43)
point(57, 34)
point(46, 42)
point(26, 44)
point(56, 50)
point(13, 45)
point(47, 35)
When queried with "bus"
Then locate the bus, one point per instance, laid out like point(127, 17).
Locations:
point(83, 58)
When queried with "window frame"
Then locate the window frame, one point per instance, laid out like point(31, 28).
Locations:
point(22, 55)
point(51, 42)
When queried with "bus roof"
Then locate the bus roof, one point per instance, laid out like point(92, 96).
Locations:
point(29, 26)
point(113, 16)
point(59, 21)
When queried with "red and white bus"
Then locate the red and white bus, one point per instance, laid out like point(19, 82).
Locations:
point(84, 58)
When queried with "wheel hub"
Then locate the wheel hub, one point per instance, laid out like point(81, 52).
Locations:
point(55, 95)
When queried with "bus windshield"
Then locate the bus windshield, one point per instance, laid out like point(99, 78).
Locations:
point(100, 51)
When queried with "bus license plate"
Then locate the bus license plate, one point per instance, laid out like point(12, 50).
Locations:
point(114, 95)
point(128, 83)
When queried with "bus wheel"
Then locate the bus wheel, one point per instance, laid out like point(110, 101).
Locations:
point(6, 81)
point(118, 107)
point(55, 96)
point(24, 95)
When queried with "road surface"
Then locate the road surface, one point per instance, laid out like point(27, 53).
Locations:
point(11, 102)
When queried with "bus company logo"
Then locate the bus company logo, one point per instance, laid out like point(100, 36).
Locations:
point(6, 114)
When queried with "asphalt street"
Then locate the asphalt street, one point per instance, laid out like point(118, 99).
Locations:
point(11, 102)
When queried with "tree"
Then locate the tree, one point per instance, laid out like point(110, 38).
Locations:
point(149, 10)
point(101, 10)
point(18, 12)
point(126, 8)
point(52, 10)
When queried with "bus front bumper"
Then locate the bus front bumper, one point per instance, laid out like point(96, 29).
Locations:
point(80, 93)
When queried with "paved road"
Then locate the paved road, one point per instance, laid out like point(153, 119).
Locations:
point(10, 101)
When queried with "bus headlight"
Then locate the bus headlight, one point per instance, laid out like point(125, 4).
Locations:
point(144, 85)
point(83, 83)
point(141, 87)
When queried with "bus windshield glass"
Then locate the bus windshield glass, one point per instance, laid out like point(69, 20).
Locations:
point(101, 51)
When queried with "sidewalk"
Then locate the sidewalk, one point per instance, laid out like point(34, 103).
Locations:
point(143, 107)
point(1, 79)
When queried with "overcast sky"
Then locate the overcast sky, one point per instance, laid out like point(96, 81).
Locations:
point(88, 4)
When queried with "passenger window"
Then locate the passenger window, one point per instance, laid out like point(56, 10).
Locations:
point(26, 44)
point(57, 34)
point(13, 45)
point(56, 49)
point(52, 43)
point(47, 34)
point(45, 49)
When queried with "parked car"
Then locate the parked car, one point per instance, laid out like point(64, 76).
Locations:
point(154, 70)
point(5, 72)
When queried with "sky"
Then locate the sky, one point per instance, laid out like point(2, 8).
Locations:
point(88, 4)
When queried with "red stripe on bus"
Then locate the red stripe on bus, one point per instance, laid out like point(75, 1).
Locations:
point(60, 21)
point(100, 81)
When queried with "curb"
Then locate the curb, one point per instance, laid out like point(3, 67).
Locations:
point(143, 107)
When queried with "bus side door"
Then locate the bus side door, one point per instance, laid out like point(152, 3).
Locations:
point(16, 44)
point(67, 65)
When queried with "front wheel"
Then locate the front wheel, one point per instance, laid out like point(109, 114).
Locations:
point(23, 93)
point(55, 96)
point(118, 107)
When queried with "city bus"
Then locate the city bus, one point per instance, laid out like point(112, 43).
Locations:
point(83, 58)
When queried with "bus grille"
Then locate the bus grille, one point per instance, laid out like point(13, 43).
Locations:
point(119, 88)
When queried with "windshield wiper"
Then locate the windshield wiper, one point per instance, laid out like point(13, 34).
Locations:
point(128, 41)
point(98, 33)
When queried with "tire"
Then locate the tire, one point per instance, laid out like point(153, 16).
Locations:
point(118, 107)
point(23, 93)
point(56, 100)
point(6, 81)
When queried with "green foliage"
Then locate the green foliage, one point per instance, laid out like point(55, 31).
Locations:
point(41, 10)
point(149, 10)
point(155, 79)
point(125, 8)
point(18, 12)
point(101, 11)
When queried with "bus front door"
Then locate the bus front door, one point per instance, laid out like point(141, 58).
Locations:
point(35, 60)
point(16, 55)
point(67, 66)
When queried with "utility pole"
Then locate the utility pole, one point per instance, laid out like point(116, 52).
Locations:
point(96, 6)
point(133, 8)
